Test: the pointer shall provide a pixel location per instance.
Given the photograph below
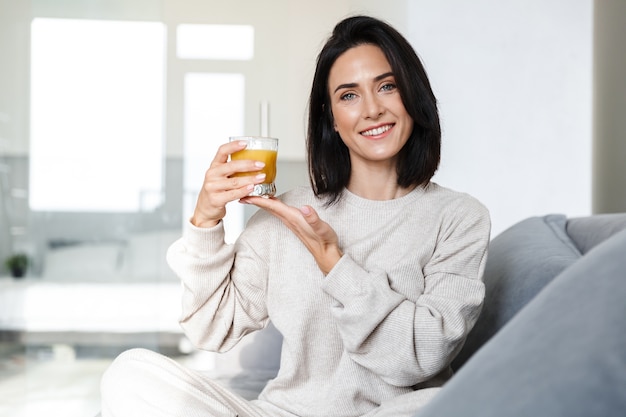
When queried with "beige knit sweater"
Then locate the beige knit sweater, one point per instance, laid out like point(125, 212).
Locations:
point(387, 319)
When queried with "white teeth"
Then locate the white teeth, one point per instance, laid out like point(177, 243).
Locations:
point(377, 131)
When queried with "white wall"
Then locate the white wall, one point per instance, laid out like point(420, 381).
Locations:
point(514, 81)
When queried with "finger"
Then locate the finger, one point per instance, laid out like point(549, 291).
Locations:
point(224, 151)
point(311, 217)
point(309, 214)
point(272, 204)
point(319, 227)
point(290, 216)
point(246, 167)
point(225, 190)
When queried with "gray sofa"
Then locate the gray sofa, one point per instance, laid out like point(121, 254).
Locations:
point(528, 256)
point(551, 339)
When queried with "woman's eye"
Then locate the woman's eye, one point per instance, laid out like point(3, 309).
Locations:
point(347, 96)
point(388, 87)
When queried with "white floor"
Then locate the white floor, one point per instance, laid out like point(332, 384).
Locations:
point(53, 381)
point(50, 383)
point(56, 381)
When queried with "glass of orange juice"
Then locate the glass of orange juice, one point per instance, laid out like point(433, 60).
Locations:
point(259, 149)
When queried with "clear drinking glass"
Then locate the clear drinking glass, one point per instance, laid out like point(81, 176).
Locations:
point(262, 149)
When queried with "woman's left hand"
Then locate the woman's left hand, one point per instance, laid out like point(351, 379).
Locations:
point(318, 237)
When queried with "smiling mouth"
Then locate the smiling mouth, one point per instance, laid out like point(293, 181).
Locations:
point(377, 131)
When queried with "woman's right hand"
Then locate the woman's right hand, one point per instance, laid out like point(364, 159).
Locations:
point(220, 188)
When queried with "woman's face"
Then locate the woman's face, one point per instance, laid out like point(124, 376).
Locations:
point(368, 112)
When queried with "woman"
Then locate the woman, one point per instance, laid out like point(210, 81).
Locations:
point(372, 275)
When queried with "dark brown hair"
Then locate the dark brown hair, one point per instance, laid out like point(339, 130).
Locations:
point(328, 156)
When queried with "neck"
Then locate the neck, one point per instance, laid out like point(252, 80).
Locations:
point(377, 184)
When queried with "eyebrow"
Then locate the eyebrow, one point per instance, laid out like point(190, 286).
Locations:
point(352, 85)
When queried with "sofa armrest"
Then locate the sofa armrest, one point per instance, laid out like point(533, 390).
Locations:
point(587, 232)
point(522, 260)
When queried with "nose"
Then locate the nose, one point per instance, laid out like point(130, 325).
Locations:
point(372, 107)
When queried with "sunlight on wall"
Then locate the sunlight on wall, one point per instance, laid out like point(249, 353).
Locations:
point(97, 94)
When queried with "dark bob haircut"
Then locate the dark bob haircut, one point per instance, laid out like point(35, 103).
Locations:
point(328, 156)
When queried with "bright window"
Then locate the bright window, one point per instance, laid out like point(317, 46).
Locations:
point(97, 94)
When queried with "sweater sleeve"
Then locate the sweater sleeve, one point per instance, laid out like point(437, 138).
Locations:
point(220, 302)
point(409, 339)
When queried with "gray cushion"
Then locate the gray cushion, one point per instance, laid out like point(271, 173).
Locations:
point(587, 232)
point(521, 261)
point(564, 354)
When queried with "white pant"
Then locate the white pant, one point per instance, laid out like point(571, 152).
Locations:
point(142, 383)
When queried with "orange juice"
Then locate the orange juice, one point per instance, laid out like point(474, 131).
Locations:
point(268, 157)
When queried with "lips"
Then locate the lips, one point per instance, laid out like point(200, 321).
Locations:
point(377, 130)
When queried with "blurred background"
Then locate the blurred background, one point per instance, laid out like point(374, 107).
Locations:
point(111, 111)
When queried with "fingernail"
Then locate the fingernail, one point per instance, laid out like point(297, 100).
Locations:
point(259, 164)
point(260, 177)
